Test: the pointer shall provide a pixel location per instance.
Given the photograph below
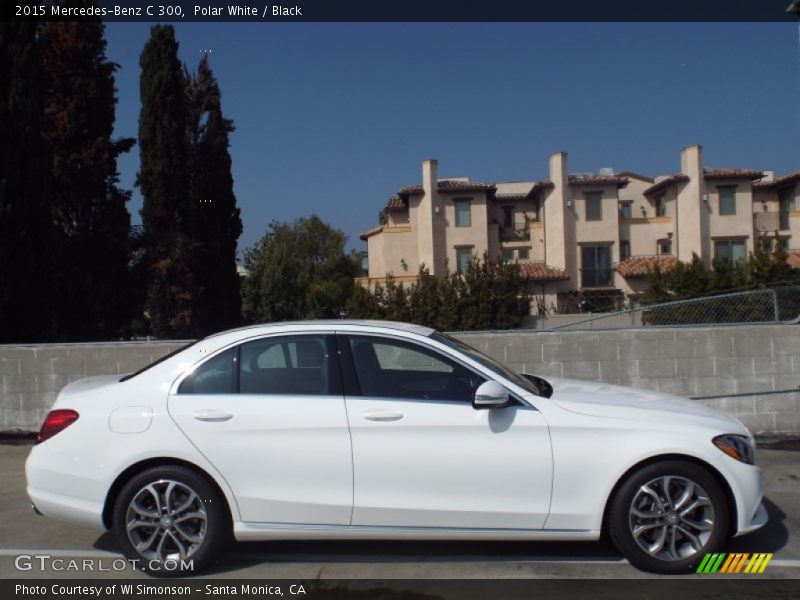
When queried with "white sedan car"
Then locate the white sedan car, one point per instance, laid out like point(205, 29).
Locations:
point(378, 430)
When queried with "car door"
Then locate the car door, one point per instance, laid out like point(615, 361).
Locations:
point(269, 414)
point(424, 457)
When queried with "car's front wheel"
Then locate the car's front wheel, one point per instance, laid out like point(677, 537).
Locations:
point(170, 520)
point(667, 515)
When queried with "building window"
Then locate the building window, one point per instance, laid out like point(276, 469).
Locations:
point(595, 266)
point(661, 207)
point(522, 254)
point(625, 211)
point(508, 254)
point(665, 246)
point(463, 259)
point(537, 209)
point(508, 216)
point(727, 199)
point(786, 204)
point(624, 249)
point(732, 250)
point(594, 206)
point(463, 212)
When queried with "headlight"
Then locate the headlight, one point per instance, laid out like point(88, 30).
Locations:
point(740, 447)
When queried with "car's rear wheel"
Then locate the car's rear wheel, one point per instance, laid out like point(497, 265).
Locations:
point(170, 521)
point(667, 515)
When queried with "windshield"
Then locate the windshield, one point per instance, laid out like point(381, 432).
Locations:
point(158, 361)
point(488, 362)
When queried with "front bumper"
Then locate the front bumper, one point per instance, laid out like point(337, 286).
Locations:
point(759, 519)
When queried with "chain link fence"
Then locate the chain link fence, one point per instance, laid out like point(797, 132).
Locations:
point(776, 305)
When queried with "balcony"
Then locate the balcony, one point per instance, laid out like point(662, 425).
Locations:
point(772, 221)
point(515, 234)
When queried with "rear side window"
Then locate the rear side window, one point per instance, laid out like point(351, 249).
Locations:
point(287, 365)
point(215, 376)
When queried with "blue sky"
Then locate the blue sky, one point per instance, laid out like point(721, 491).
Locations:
point(333, 118)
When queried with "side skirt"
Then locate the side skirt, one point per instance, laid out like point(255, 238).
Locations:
point(252, 532)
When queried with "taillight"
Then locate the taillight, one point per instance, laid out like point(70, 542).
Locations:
point(55, 422)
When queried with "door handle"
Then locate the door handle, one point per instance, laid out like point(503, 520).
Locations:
point(382, 415)
point(212, 416)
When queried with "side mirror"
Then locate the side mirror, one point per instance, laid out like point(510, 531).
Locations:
point(491, 394)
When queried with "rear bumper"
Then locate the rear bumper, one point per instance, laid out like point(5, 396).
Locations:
point(54, 492)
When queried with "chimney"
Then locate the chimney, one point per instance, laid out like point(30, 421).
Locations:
point(430, 176)
point(559, 215)
point(426, 221)
point(692, 161)
point(558, 168)
point(691, 226)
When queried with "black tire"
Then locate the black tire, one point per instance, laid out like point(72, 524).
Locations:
point(213, 529)
point(621, 520)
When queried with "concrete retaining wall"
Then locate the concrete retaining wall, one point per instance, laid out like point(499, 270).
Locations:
point(31, 376)
point(740, 367)
point(736, 365)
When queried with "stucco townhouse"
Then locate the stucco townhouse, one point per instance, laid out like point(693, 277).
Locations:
point(585, 239)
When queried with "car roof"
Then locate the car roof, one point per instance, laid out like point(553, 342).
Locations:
point(334, 323)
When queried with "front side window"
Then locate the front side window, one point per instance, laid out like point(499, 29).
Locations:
point(508, 254)
point(487, 362)
point(727, 199)
point(625, 210)
point(624, 249)
point(522, 254)
point(215, 376)
point(286, 365)
point(388, 368)
point(463, 258)
point(732, 250)
point(595, 266)
point(463, 212)
point(594, 206)
point(664, 246)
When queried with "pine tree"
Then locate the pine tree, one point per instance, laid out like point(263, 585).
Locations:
point(423, 299)
point(90, 211)
point(216, 224)
point(164, 181)
point(27, 239)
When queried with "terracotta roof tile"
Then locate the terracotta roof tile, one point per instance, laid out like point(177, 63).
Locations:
point(449, 185)
point(779, 181)
point(733, 173)
point(675, 178)
point(598, 180)
point(640, 266)
point(370, 232)
point(537, 271)
point(395, 203)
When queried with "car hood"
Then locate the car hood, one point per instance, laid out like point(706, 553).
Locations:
point(615, 401)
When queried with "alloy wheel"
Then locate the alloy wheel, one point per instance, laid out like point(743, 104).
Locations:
point(166, 520)
point(671, 518)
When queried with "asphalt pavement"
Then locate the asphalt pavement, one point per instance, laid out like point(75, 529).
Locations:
point(22, 533)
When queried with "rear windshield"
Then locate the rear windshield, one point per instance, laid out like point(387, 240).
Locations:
point(160, 360)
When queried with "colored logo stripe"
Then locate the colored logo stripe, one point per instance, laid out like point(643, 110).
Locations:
point(724, 563)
